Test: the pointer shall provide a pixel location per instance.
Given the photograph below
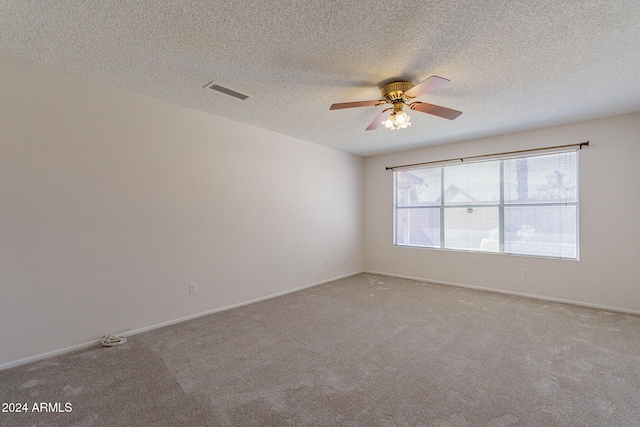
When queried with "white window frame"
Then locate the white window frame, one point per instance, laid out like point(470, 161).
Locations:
point(501, 205)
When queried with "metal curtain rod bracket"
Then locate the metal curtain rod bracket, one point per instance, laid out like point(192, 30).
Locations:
point(462, 159)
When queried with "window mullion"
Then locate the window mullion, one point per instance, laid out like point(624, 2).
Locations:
point(501, 209)
point(442, 207)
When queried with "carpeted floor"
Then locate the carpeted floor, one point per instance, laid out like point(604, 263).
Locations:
point(367, 350)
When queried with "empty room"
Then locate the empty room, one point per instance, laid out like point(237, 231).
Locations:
point(319, 213)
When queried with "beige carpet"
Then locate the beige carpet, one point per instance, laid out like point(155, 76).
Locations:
point(367, 350)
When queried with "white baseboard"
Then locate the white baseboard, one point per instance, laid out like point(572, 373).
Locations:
point(88, 344)
point(501, 291)
point(48, 354)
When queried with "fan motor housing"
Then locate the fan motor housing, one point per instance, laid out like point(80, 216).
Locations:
point(394, 91)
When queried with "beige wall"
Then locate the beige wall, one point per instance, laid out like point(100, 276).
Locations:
point(608, 272)
point(112, 203)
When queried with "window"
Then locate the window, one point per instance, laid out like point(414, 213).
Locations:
point(524, 205)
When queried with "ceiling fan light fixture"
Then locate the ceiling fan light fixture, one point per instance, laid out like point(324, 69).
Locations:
point(397, 120)
point(388, 123)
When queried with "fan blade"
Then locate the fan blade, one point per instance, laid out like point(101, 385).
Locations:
point(381, 118)
point(432, 83)
point(436, 110)
point(357, 104)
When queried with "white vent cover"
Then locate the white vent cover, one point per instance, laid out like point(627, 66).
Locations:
point(226, 91)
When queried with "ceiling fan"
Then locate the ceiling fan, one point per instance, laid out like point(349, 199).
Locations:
point(399, 93)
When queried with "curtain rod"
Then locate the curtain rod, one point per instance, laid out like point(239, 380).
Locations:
point(462, 159)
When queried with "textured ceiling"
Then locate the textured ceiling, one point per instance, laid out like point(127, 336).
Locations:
point(513, 65)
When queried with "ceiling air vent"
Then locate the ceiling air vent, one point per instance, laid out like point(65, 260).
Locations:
point(226, 91)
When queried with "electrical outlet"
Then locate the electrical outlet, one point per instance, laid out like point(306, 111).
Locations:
point(194, 288)
point(525, 272)
point(326, 263)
